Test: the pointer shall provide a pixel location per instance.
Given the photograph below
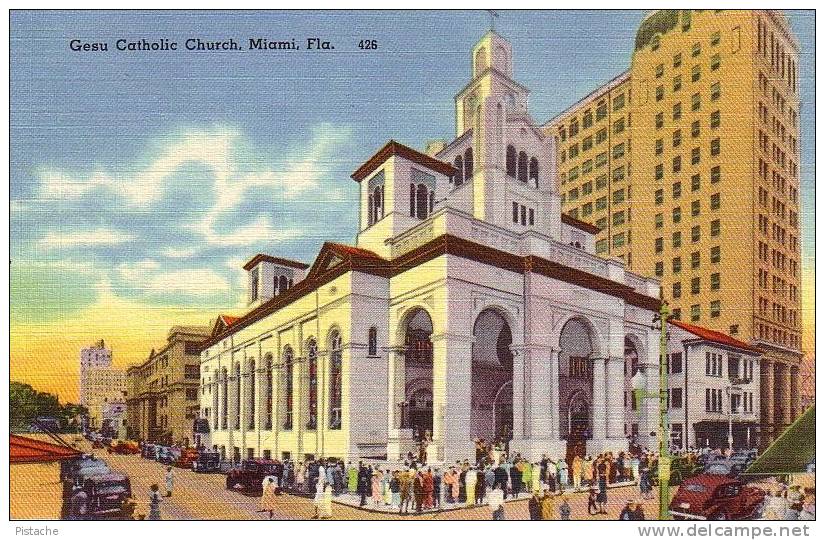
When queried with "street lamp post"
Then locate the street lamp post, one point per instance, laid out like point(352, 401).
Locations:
point(661, 395)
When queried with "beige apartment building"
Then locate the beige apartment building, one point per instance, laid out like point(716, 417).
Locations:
point(710, 106)
point(162, 392)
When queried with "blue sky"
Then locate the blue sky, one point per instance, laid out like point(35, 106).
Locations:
point(154, 176)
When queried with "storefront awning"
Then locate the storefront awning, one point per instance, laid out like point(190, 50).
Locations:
point(27, 450)
point(792, 452)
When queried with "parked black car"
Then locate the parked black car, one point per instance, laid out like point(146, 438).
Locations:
point(76, 471)
point(104, 497)
point(249, 477)
point(207, 461)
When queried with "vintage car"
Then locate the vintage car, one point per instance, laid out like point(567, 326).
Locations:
point(69, 468)
point(715, 496)
point(207, 461)
point(249, 476)
point(148, 451)
point(163, 454)
point(186, 458)
point(75, 472)
point(725, 467)
point(124, 447)
point(105, 495)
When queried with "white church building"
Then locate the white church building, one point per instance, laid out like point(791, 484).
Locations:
point(468, 308)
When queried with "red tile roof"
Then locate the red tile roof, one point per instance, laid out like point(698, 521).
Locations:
point(27, 450)
point(228, 320)
point(275, 260)
point(393, 148)
point(712, 335)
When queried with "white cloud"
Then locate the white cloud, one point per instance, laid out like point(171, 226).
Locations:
point(148, 276)
point(97, 237)
point(135, 271)
point(196, 281)
point(210, 147)
point(236, 172)
point(179, 253)
point(260, 230)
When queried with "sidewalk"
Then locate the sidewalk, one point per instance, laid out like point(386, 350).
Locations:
point(353, 500)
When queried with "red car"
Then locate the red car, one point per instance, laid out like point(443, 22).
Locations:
point(124, 447)
point(186, 458)
point(713, 496)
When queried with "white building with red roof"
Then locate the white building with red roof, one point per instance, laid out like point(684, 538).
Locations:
point(714, 384)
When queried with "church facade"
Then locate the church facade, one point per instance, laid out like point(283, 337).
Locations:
point(469, 308)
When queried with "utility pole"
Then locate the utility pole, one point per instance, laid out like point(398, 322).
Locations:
point(664, 427)
point(640, 389)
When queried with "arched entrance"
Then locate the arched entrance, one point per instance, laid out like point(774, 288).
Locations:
point(492, 378)
point(578, 417)
point(577, 345)
point(417, 407)
point(631, 367)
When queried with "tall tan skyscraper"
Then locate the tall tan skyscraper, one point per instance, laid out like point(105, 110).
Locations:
point(100, 383)
point(708, 161)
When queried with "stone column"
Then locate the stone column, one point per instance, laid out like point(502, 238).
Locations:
point(786, 396)
point(615, 398)
point(519, 384)
point(766, 398)
point(795, 406)
point(543, 393)
point(395, 395)
point(555, 420)
point(452, 390)
point(599, 421)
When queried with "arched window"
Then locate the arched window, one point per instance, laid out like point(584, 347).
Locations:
point(522, 166)
point(412, 200)
point(421, 201)
point(268, 392)
point(289, 386)
point(372, 342)
point(459, 167)
point(370, 204)
point(376, 204)
point(236, 421)
point(250, 396)
point(511, 161)
point(335, 357)
point(283, 285)
point(432, 201)
point(289, 285)
point(224, 399)
point(534, 170)
point(312, 387)
point(468, 164)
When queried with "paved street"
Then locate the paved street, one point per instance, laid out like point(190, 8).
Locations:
point(203, 496)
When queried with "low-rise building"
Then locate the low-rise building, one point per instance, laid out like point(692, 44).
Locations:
point(162, 392)
point(713, 388)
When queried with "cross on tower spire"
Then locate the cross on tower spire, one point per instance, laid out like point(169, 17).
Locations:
point(493, 15)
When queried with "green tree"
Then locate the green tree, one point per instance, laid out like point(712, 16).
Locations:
point(26, 404)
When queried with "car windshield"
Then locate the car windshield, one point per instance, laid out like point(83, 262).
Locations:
point(111, 489)
point(695, 488)
point(251, 467)
point(717, 468)
point(95, 469)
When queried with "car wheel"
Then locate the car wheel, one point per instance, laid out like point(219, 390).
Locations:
point(719, 516)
